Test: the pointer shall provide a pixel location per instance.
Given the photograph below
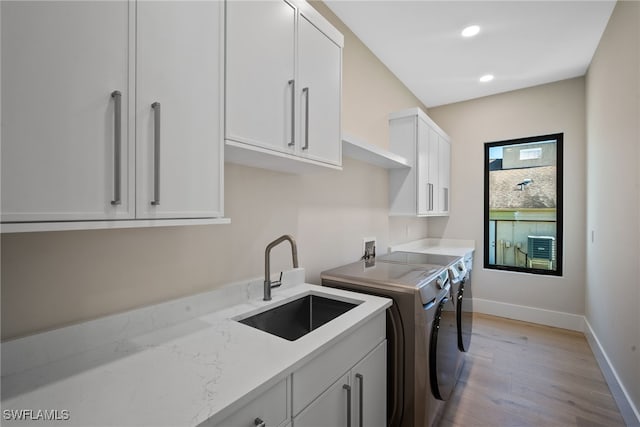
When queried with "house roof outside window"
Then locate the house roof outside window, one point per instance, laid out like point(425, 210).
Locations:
point(523, 188)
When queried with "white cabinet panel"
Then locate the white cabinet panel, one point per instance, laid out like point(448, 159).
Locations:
point(327, 390)
point(261, 90)
point(178, 61)
point(423, 182)
point(271, 407)
point(360, 393)
point(311, 379)
point(283, 86)
point(60, 63)
point(65, 157)
point(320, 65)
point(424, 190)
point(369, 389)
point(330, 409)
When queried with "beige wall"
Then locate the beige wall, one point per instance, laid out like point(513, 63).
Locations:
point(613, 203)
point(369, 89)
point(52, 279)
point(551, 108)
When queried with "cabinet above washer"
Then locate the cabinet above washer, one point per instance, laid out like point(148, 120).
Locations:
point(424, 189)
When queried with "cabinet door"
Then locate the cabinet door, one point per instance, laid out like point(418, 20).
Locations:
point(260, 73)
point(270, 407)
point(433, 172)
point(444, 165)
point(330, 409)
point(61, 61)
point(423, 187)
point(320, 65)
point(369, 379)
point(178, 109)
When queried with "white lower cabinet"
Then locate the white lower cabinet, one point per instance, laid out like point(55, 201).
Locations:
point(331, 408)
point(358, 398)
point(369, 389)
point(269, 408)
point(345, 385)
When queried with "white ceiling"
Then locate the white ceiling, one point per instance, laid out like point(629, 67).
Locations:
point(522, 43)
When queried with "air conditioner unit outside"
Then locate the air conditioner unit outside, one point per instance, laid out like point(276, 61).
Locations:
point(541, 248)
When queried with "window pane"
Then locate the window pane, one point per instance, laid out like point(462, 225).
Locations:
point(523, 204)
point(530, 153)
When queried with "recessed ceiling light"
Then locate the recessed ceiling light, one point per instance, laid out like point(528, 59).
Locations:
point(486, 78)
point(470, 31)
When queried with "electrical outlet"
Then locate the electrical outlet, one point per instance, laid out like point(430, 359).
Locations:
point(369, 247)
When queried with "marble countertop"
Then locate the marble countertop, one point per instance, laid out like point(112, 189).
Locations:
point(175, 364)
point(453, 247)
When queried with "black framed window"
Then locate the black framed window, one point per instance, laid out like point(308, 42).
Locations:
point(523, 205)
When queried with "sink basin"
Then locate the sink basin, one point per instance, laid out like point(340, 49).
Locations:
point(298, 317)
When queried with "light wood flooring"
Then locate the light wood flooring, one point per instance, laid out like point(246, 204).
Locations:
point(521, 374)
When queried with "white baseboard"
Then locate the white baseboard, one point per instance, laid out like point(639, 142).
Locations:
point(572, 322)
point(629, 412)
point(540, 316)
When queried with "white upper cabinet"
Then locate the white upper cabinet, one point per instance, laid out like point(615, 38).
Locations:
point(80, 138)
point(61, 62)
point(424, 189)
point(178, 109)
point(319, 62)
point(283, 87)
point(261, 74)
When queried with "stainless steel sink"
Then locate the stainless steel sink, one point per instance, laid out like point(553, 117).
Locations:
point(298, 317)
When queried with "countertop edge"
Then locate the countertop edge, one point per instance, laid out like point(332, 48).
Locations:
point(134, 358)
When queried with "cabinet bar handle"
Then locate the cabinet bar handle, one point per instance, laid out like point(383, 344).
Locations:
point(117, 146)
point(361, 405)
point(305, 90)
point(348, 388)
point(292, 83)
point(430, 187)
point(156, 153)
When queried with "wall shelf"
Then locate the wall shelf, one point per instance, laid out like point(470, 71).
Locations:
point(369, 153)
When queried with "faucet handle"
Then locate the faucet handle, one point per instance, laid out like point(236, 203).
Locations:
point(277, 283)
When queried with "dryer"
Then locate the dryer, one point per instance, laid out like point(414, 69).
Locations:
point(460, 275)
point(422, 350)
point(459, 268)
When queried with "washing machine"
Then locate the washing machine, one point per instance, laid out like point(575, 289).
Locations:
point(460, 276)
point(459, 268)
point(422, 338)
point(459, 311)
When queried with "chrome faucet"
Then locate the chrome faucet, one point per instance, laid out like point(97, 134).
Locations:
point(268, 284)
